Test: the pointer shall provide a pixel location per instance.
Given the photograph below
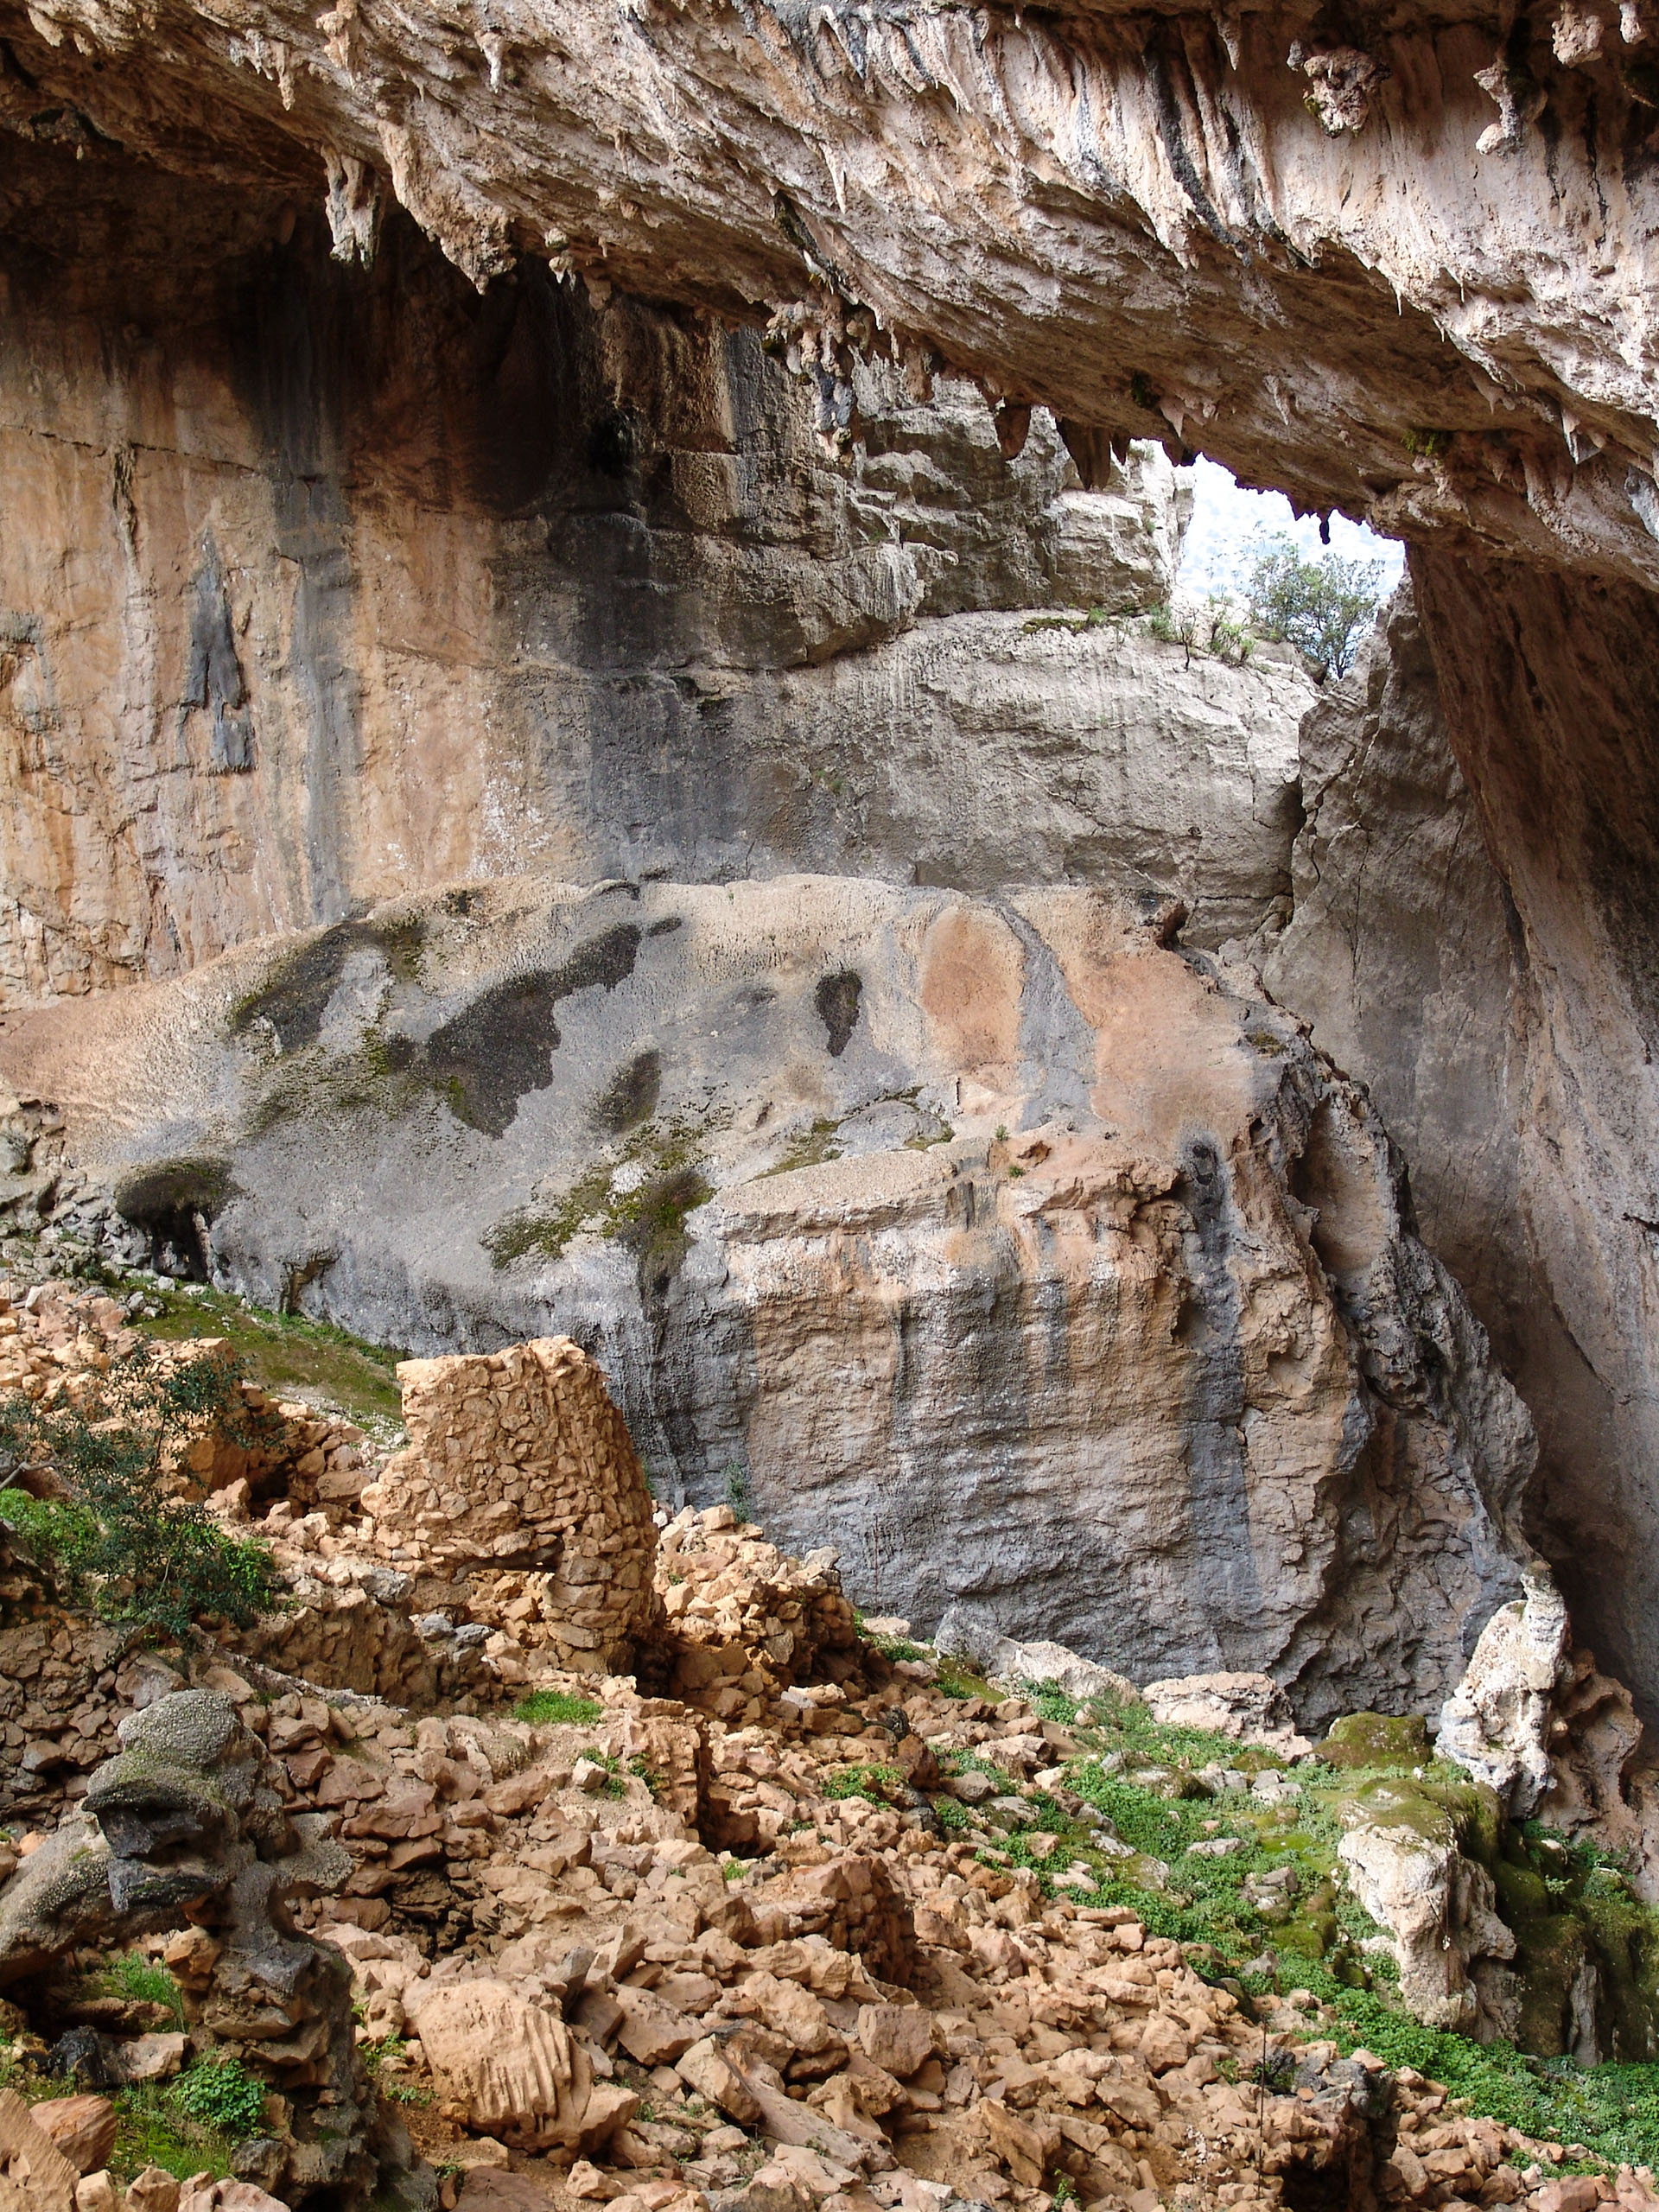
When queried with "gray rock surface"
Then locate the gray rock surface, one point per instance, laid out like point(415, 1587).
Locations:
point(529, 587)
point(1498, 1030)
point(1041, 1268)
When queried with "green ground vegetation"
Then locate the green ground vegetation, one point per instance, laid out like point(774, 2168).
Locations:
point(551, 1708)
point(1275, 1916)
point(287, 1354)
point(290, 1354)
point(188, 2125)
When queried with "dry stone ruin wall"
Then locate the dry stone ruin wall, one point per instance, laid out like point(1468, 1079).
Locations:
point(518, 1460)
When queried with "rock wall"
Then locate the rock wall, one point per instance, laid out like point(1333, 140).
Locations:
point(320, 586)
point(1468, 939)
point(1401, 956)
point(1035, 1265)
point(1554, 728)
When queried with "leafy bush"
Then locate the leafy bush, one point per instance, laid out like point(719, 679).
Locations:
point(1323, 607)
point(548, 1708)
point(219, 2092)
point(1212, 626)
point(144, 1555)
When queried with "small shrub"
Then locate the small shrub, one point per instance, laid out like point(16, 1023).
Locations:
point(548, 1708)
point(145, 1557)
point(391, 2052)
point(614, 1785)
point(1323, 607)
point(896, 1647)
point(737, 1491)
point(219, 2092)
point(1275, 2071)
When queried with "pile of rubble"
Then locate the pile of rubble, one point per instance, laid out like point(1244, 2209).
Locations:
point(743, 1619)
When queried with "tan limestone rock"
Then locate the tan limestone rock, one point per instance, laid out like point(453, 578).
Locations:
point(82, 2127)
point(36, 2176)
point(512, 2069)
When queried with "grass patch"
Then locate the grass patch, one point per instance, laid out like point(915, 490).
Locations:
point(813, 1148)
point(145, 1981)
point(151, 2131)
point(287, 1353)
point(616, 1781)
point(389, 2053)
point(546, 1708)
point(874, 1782)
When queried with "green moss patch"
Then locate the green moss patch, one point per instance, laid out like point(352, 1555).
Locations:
point(286, 1353)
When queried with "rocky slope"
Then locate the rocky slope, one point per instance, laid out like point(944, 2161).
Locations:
point(1399, 267)
point(1145, 1356)
point(781, 1919)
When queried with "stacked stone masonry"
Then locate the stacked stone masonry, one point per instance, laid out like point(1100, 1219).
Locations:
point(518, 1460)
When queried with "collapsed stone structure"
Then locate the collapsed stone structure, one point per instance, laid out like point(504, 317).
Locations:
point(519, 1461)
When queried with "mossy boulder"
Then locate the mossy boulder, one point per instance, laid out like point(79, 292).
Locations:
point(1376, 1739)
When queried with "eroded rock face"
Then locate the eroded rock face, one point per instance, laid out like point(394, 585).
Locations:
point(1440, 1908)
point(1497, 1722)
point(517, 585)
point(1471, 911)
point(1536, 1721)
point(1339, 268)
point(1117, 1262)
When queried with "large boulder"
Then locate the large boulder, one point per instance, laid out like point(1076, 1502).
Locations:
point(1497, 1723)
point(1249, 1708)
point(1403, 1855)
point(183, 1825)
point(512, 2070)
